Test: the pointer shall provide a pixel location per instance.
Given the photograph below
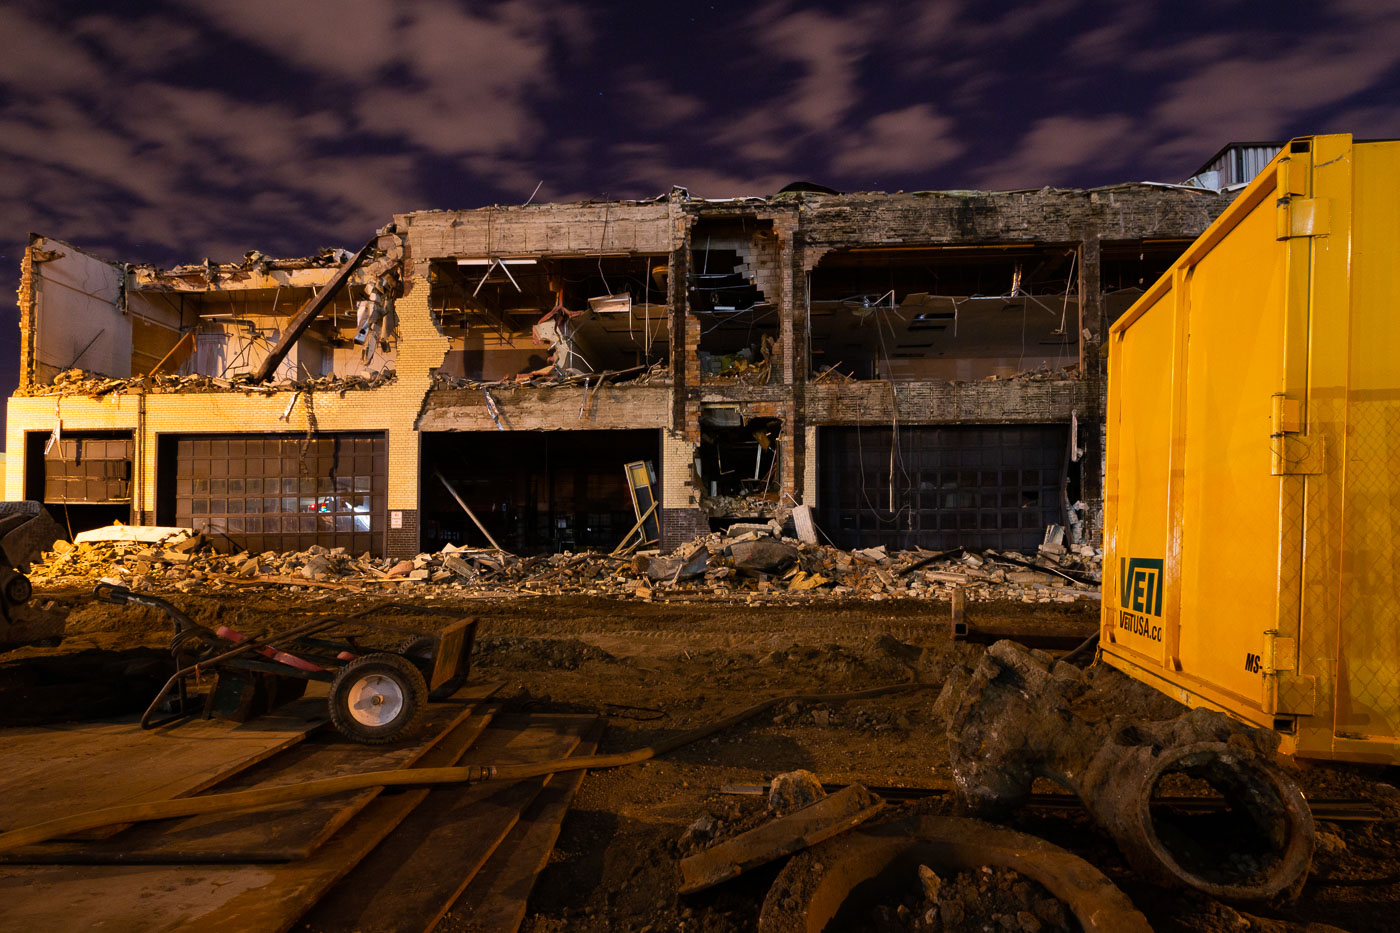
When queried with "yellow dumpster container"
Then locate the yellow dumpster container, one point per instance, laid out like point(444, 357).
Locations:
point(1252, 519)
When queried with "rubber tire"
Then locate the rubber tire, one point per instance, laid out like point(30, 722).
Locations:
point(403, 673)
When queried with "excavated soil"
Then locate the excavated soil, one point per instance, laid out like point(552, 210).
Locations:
point(653, 669)
point(984, 899)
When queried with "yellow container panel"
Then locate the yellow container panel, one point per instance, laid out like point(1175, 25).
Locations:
point(1368, 667)
point(1252, 520)
point(1134, 582)
point(1229, 504)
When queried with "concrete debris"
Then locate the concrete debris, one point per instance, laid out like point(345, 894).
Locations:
point(794, 790)
point(759, 565)
point(144, 534)
point(658, 374)
point(95, 385)
point(802, 523)
point(758, 505)
point(763, 555)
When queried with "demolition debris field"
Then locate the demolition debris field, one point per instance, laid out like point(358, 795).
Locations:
point(654, 669)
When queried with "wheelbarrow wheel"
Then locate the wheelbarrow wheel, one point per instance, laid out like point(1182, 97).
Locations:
point(377, 698)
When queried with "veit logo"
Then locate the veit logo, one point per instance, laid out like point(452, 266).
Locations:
point(1140, 594)
point(1140, 584)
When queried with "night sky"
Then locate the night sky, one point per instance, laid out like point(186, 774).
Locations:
point(171, 130)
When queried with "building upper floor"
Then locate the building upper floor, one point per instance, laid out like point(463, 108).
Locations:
point(808, 287)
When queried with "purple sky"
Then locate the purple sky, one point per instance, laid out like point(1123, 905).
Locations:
point(171, 130)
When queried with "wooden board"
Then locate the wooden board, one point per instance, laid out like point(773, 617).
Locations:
point(495, 900)
point(53, 771)
point(210, 898)
point(415, 875)
point(278, 833)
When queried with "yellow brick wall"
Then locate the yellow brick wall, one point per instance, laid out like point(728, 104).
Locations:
point(677, 458)
point(809, 468)
point(392, 408)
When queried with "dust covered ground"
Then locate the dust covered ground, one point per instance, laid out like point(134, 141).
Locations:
point(654, 669)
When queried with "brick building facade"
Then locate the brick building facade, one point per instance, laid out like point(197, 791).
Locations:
point(935, 356)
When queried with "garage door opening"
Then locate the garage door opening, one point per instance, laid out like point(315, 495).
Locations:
point(84, 478)
point(942, 487)
point(536, 492)
point(276, 492)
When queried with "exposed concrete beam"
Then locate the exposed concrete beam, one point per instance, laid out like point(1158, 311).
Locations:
point(303, 318)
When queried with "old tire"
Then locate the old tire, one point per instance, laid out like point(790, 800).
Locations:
point(377, 698)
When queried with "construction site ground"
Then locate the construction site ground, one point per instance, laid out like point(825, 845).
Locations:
point(655, 668)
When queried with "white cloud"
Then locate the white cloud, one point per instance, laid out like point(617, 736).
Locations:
point(1056, 147)
point(913, 139)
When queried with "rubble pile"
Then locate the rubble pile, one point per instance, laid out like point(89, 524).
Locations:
point(654, 374)
point(96, 385)
point(1043, 374)
point(753, 562)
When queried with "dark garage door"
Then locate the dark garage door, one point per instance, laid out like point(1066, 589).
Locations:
point(269, 492)
point(956, 486)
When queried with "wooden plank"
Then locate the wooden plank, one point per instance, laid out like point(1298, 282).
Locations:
point(52, 771)
point(211, 898)
point(278, 833)
point(411, 880)
point(496, 899)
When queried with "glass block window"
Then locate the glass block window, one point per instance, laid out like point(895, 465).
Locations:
point(979, 486)
point(271, 492)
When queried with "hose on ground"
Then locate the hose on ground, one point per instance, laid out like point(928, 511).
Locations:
point(1088, 644)
point(468, 774)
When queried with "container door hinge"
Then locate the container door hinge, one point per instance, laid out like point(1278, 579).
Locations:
point(1286, 692)
point(1294, 453)
point(1299, 217)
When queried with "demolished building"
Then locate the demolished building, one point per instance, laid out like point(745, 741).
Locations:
point(920, 369)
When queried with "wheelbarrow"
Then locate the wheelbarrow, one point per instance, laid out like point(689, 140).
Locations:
point(376, 694)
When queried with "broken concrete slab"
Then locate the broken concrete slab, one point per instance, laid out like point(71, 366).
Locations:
point(763, 555)
point(145, 534)
point(794, 790)
point(805, 527)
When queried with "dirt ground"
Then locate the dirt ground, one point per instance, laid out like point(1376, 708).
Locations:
point(657, 668)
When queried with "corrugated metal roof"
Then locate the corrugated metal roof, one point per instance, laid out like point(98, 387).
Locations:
point(1238, 163)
